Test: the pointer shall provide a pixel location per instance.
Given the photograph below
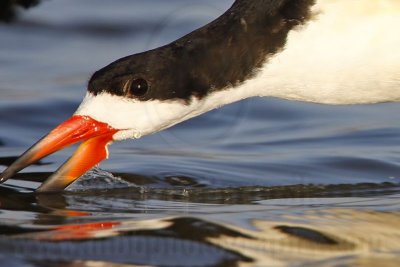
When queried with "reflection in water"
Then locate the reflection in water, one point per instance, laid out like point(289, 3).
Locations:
point(175, 220)
point(353, 235)
point(167, 242)
point(360, 236)
point(247, 226)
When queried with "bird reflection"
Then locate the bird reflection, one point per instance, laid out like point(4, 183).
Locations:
point(321, 236)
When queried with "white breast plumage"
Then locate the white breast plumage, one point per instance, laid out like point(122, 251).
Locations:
point(347, 54)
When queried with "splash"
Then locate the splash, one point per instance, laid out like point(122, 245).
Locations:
point(97, 178)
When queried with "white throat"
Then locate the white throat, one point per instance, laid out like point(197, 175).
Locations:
point(137, 118)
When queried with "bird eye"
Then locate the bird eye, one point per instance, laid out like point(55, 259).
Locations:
point(137, 87)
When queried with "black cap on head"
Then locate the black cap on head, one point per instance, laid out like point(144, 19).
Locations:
point(221, 54)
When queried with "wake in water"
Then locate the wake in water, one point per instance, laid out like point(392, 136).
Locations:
point(97, 178)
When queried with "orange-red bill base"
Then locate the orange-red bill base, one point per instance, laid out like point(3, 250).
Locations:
point(96, 135)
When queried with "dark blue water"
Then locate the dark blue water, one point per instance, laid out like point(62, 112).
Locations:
point(263, 182)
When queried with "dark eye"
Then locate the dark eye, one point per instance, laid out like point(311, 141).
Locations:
point(137, 87)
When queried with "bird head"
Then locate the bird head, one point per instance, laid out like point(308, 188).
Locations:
point(147, 92)
point(134, 96)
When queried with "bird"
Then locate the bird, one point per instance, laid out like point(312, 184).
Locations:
point(336, 52)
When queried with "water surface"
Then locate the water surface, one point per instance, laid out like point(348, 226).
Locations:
point(263, 182)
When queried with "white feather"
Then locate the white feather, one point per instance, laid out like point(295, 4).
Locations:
point(348, 54)
point(137, 118)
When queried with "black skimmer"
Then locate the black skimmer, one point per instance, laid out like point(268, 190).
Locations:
point(322, 51)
